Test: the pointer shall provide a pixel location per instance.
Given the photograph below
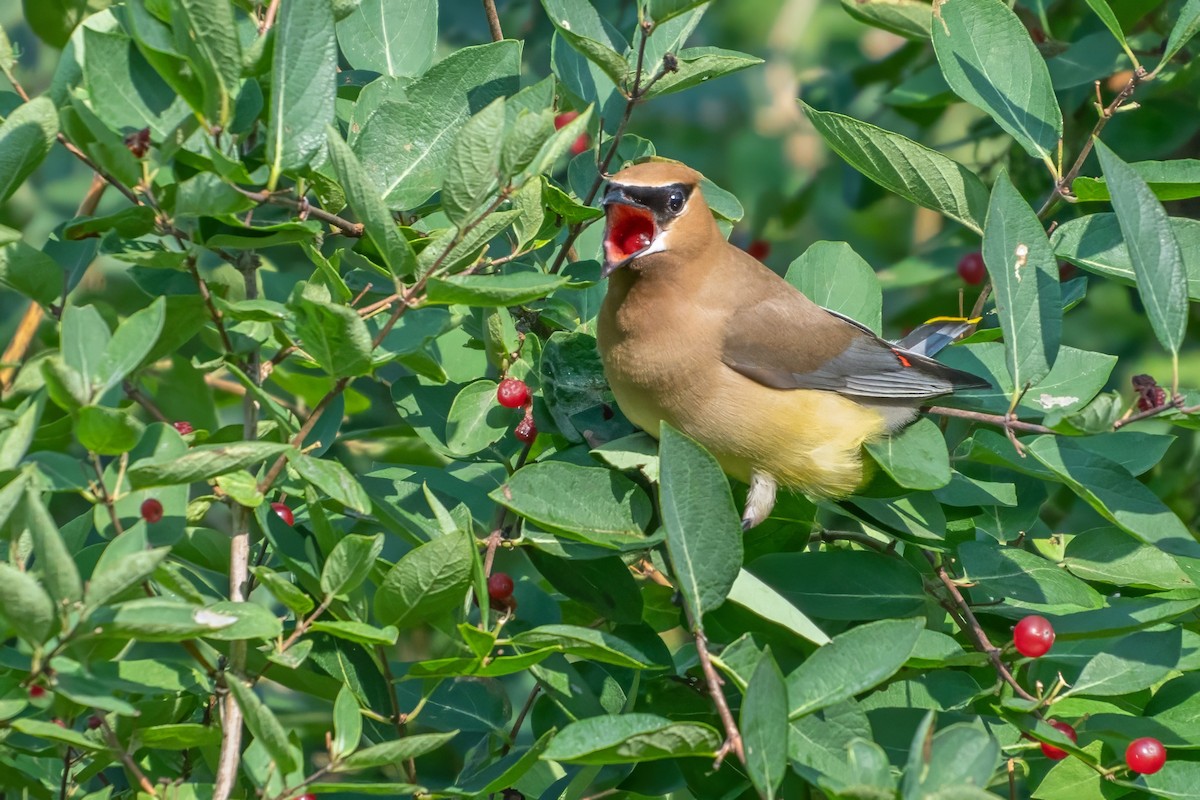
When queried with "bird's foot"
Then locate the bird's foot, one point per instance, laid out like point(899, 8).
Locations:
point(760, 500)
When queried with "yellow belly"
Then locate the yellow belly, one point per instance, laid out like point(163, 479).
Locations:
point(810, 441)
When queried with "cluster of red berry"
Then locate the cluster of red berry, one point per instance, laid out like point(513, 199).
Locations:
point(1033, 636)
point(513, 393)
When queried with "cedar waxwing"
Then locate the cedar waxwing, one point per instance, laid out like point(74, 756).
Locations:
point(696, 332)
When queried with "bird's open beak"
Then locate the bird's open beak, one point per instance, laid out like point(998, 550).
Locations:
point(629, 229)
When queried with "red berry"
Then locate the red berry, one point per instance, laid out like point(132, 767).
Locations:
point(59, 722)
point(759, 248)
point(512, 393)
point(37, 692)
point(525, 431)
point(1056, 753)
point(152, 511)
point(284, 512)
point(1066, 271)
point(1146, 756)
point(971, 268)
point(309, 796)
point(94, 722)
point(1033, 636)
point(582, 144)
point(500, 586)
point(564, 118)
point(183, 426)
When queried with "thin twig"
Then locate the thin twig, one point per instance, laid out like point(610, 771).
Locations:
point(354, 229)
point(399, 719)
point(126, 759)
point(1063, 186)
point(1176, 403)
point(106, 496)
point(214, 312)
point(993, 419)
point(269, 19)
point(733, 737)
point(489, 8)
point(973, 629)
point(516, 728)
point(136, 395)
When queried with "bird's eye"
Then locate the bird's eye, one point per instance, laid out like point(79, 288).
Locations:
point(675, 201)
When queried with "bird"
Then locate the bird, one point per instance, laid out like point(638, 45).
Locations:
point(696, 333)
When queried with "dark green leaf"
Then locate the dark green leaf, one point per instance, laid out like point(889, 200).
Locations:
point(107, 431)
point(265, 726)
point(129, 223)
point(501, 289)
point(25, 138)
point(394, 752)
point(1112, 556)
point(359, 632)
point(752, 594)
point(1025, 284)
point(214, 50)
point(394, 37)
point(990, 61)
point(28, 271)
point(155, 619)
point(284, 590)
point(334, 336)
point(915, 458)
point(589, 643)
point(114, 575)
point(698, 65)
point(587, 503)
point(332, 478)
point(472, 172)
point(1185, 27)
point(1153, 249)
point(832, 275)
point(201, 463)
point(25, 605)
point(913, 171)
point(427, 582)
point(704, 537)
point(347, 724)
point(1095, 243)
point(1017, 576)
point(1135, 662)
point(1178, 179)
point(764, 726)
point(857, 660)
point(629, 739)
point(910, 18)
point(849, 584)
point(302, 85)
point(55, 563)
point(350, 562)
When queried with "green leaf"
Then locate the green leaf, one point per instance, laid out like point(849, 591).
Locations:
point(909, 18)
point(359, 632)
point(56, 733)
point(1025, 284)
point(252, 621)
point(751, 593)
point(56, 566)
point(1153, 249)
point(427, 582)
point(857, 660)
point(365, 199)
point(587, 503)
point(659, 11)
point(1178, 179)
point(302, 85)
point(155, 619)
point(957, 758)
point(265, 726)
point(405, 146)
point(107, 431)
point(846, 584)
point(132, 342)
point(393, 37)
point(1112, 556)
point(764, 726)
point(475, 420)
point(25, 138)
point(207, 195)
point(704, 537)
point(242, 487)
point(214, 50)
point(915, 458)
point(507, 771)
point(990, 61)
point(1095, 243)
point(1186, 25)
point(112, 576)
point(201, 463)
point(350, 562)
point(1118, 497)
point(334, 336)
point(500, 289)
point(629, 739)
point(332, 478)
point(1105, 13)
point(1018, 577)
point(472, 172)
point(900, 165)
point(603, 584)
point(394, 752)
point(833, 276)
point(284, 590)
point(27, 270)
point(589, 643)
point(347, 724)
point(25, 605)
point(698, 65)
point(129, 223)
point(1135, 662)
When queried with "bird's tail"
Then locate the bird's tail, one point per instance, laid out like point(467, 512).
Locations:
point(930, 337)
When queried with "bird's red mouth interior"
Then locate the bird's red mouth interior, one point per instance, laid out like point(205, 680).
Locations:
point(630, 230)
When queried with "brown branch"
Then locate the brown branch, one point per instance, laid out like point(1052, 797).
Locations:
point(106, 497)
point(399, 719)
point(269, 19)
point(1176, 403)
point(136, 395)
point(306, 209)
point(214, 312)
point(115, 744)
point(1063, 186)
point(733, 737)
point(993, 419)
point(516, 728)
point(972, 628)
point(489, 8)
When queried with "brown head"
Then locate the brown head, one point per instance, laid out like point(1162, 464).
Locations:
point(655, 207)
